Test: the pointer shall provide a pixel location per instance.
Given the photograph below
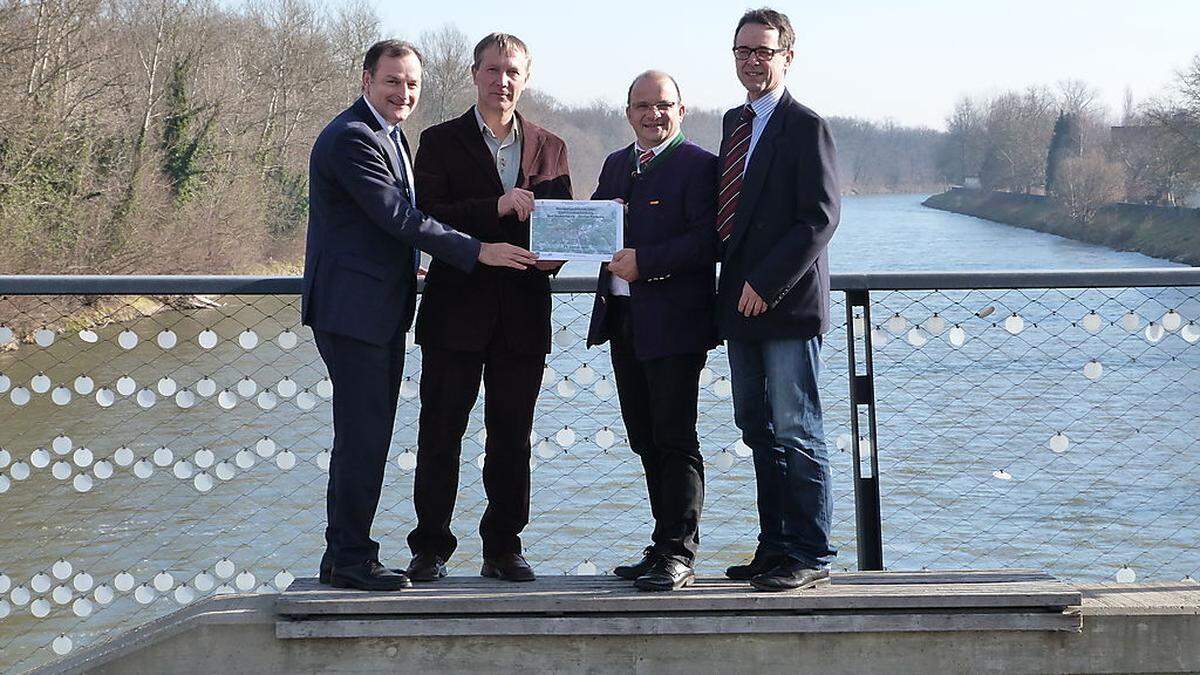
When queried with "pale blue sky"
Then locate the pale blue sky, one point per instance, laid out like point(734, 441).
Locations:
point(907, 61)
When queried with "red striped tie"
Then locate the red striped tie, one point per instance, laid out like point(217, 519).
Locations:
point(644, 159)
point(732, 170)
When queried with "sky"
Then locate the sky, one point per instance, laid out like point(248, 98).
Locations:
point(906, 61)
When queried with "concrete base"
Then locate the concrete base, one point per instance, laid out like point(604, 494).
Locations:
point(237, 635)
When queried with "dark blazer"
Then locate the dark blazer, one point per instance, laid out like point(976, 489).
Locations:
point(788, 209)
point(672, 225)
point(359, 274)
point(457, 183)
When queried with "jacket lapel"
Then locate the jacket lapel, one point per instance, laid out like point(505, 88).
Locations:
point(472, 139)
point(756, 171)
point(364, 113)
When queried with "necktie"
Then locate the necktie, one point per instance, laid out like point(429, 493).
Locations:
point(644, 159)
point(732, 171)
point(400, 162)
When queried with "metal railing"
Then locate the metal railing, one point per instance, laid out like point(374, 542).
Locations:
point(166, 438)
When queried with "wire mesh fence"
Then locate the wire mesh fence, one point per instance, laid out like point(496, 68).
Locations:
point(165, 440)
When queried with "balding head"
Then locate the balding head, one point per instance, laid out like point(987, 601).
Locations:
point(656, 76)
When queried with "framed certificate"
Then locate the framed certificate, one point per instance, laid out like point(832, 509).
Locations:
point(565, 229)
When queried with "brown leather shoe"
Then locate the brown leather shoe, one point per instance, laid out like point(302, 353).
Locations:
point(509, 567)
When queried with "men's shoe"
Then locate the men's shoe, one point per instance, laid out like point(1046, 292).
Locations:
point(764, 561)
point(369, 576)
point(509, 567)
point(631, 572)
point(667, 574)
point(426, 567)
point(327, 567)
point(790, 576)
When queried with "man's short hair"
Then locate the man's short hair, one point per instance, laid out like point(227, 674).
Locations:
point(655, 74)
point(771, 19)
point(507, 44)
point(389, 48)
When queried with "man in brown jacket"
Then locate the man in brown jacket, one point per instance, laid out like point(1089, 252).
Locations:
point(480, 173)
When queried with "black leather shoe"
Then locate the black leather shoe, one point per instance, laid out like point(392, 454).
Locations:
point(667, 574)
point(426, 567)
point(509, 567)
point(764, 561)
point(369, 576)
point(789, 576)
point(631, 572)
point(327, 567)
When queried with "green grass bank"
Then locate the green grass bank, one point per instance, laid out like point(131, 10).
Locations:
point(1171, 233)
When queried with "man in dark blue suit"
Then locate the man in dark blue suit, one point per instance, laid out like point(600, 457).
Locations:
point(777, 207)
point(359, 294)
point(654, 305)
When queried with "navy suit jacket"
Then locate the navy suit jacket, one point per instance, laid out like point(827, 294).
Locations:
point(786, 214)
point(457, 182)
point(359, 270)
point(672, 226)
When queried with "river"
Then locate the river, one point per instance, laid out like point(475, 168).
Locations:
point(973, 470)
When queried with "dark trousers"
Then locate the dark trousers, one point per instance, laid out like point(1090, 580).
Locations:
point(449, 387)
point(658, 404)
point(366, 387)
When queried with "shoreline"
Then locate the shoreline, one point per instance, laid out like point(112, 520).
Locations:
point(1159, 232)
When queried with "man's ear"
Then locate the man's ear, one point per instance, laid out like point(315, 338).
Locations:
point(366, 80)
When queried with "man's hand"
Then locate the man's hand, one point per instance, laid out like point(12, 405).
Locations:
point(549, 265)
point(515, 201)
point(624, 264)
point(506, 255)
point(751, 303)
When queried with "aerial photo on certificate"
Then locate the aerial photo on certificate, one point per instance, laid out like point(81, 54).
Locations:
point(564, 229)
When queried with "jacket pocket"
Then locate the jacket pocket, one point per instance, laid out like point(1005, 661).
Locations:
point(367, 267)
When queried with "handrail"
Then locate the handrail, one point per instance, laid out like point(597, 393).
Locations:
point(883, 281)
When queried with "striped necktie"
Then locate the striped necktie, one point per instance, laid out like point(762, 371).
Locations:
point(644, 159)
point(732, 171)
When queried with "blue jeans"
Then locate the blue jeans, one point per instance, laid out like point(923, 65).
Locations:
point(778, 408)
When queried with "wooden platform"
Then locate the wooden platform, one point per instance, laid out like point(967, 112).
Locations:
point(604, 605)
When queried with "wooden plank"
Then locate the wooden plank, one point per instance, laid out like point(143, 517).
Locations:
point(940, 577)
point(675, 625)
point(1178, 598)
point(563, 595)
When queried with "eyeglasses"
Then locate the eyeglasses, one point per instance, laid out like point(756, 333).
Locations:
point(763, 53)
point(661, 106)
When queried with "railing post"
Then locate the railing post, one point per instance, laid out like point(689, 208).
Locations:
point(862, 395)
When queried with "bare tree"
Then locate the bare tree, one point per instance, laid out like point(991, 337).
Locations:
point(447, 87)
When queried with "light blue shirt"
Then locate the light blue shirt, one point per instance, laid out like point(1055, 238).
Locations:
point(505, 153)
point(763, 108)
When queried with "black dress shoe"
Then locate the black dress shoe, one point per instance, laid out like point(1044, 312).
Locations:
point(426, 567)
point(631, 572)
point(789, 576)
point(369, 576)
point(327, 567)
point(764, 561)
point(667, 574)
point(509, 567)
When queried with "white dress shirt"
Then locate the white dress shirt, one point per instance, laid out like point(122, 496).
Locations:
point(763, 108)
point(405, 165)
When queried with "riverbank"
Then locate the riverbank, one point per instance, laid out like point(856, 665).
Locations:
point(1170, 233)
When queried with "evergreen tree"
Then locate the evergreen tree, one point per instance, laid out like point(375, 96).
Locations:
point(1067, 142)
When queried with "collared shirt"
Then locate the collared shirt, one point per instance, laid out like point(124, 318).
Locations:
point(619, 286)
point(505, 153)
point(763, 108)
point(405, 164)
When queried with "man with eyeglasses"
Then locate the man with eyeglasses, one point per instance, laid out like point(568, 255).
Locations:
point(654, 305)
point(778, 204)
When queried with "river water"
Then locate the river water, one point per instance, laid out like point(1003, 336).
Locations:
point(1000, 452)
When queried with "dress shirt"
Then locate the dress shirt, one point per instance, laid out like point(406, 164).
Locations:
point(405, 164)
point(505, 153)
point(763, 108)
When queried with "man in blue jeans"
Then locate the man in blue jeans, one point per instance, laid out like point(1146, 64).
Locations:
point(778, 205)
